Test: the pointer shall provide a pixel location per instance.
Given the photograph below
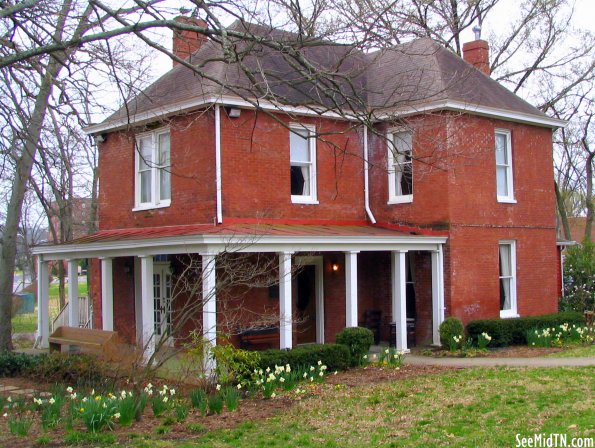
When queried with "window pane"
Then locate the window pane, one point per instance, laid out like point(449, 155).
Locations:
point(501, 152)
point(505, 262)
point(299, 181)
point(164, 183)
point(164, 150)
point(502, 180)
point(402, 142)
point(145, 186)
point(145, 148)
point(406, 180)
point(298, 145)
point(402, 148)
point(505, 302)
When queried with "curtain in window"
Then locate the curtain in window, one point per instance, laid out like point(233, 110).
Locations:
point(144, 168)
point(505, 277)
point(164, 167)
point(403, 164)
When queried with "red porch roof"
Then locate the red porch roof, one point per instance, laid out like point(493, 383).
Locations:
point(268, 229)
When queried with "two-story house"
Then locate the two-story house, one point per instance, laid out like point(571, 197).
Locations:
point(406, 183)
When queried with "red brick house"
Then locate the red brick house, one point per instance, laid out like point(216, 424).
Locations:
point(440, 203)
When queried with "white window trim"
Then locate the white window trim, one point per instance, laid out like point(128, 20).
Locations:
point(509, 199)
point(313, 197)
point(155, 193)
point(393, 198)
point(513, 311)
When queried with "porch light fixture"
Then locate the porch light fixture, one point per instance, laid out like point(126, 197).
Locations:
point(335, 267)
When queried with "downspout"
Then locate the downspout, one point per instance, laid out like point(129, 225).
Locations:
point(218, 163)
point(366, 180)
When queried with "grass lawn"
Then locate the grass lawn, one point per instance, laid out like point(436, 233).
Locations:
point(467, 408)
point(583, 352)
point(27, 323)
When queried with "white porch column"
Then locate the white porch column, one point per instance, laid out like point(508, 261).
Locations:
point(437, 294)
point(399, 302)
point(285, 317)
point(209, 307)
point(73, 294)
point(351, 289)
point(43, 294)
point(147, 306)
point(107, 294)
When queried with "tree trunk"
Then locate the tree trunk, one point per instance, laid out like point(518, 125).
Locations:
point(562, 212)
point(24, 165)
point(590, 205)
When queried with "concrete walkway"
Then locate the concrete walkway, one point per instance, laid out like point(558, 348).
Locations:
point(493, 362)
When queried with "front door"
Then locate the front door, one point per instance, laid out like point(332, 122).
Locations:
point(306, 305)
point(162, 292)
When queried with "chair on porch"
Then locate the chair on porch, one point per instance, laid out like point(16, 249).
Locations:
point(372, 320)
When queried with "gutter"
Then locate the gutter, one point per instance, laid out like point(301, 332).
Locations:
point(218, 163)
point(366, 179)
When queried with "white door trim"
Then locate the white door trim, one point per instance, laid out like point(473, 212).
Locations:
point(318, 262)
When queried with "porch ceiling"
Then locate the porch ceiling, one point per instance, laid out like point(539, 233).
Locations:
point(239, 238)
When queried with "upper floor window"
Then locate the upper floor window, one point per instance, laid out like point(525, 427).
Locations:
point(302, 150)
point(504, 187)
point(153, 170)
point(400, 167)
point(507, 262)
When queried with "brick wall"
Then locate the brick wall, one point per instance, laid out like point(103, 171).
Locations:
point(193, 177)
point(454, 189)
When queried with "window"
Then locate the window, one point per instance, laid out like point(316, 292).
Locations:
point(507, 262)
point(302, 150)
point(400, 167)
point(153, 170)
point(504, 188)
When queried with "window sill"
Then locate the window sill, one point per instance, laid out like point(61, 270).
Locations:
point(507, 200)
point(143, 207)
point(406, 199)
point(508, 315)
point(303, 200)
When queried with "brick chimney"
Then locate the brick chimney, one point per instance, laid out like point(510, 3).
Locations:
point(477, 52)
point(184, 42)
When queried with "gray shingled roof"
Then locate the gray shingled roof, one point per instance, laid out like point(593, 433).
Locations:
point(342, 77)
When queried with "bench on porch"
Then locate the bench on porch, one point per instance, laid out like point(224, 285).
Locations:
point(97, 341)
point(259, 338)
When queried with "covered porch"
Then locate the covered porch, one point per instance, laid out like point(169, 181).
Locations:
point(342, 267)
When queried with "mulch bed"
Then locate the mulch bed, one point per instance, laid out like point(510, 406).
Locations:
point(249, 409)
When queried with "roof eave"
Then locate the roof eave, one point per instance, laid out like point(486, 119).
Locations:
point(474, 109)
point(257, 243)
point(228, 100)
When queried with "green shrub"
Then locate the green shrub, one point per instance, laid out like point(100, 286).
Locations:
point(358, 340)
point(579, 278)
point(514, 331)
point(450, 328)
point(234, 365)
point(334, 356)
point(17, 364)
point(81, 369)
